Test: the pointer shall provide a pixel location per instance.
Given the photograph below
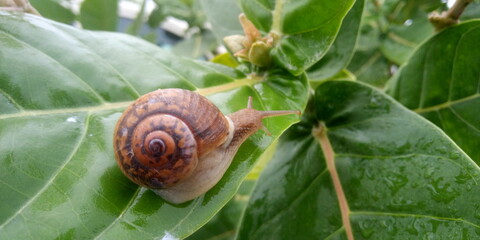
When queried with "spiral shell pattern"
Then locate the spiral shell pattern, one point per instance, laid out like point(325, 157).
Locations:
point(160, 137)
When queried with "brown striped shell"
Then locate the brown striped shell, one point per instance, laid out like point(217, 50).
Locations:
point(160, 137)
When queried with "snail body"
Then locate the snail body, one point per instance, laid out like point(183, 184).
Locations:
point(179, 144)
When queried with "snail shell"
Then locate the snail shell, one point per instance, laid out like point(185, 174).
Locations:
point(177, 143)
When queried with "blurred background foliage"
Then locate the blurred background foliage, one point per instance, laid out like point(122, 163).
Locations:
point(390, 29)
point(180, 24)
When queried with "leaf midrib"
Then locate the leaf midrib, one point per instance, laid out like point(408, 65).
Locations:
point(97, 108)
point(446, 104)
point(358, 213)
point(119, 105)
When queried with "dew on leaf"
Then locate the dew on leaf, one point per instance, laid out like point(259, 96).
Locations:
point(169, 236)
point(72, 119)
point(395, 181)
point(442, 191)
point(367, 228)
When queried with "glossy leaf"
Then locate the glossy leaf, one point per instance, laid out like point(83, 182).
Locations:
point(441, 83)
point(99, 14)
point(401, 176)
point(306, 28)
point(223, 225)
point(341, 51)
point(61, 92)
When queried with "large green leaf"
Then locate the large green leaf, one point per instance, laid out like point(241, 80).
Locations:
point(441, 82)
point(306, 28)
point(224, 225)
point(99, 14)
point(341, 51)
point(61, 92)
point(398, 175)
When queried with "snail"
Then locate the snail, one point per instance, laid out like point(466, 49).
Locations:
point(179, 144)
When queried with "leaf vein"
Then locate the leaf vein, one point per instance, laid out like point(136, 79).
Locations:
point(473, 127)
point(412, 215)
point(10, 98)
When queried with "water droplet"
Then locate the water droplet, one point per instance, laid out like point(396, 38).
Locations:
point(429, 171)
point(442, 191)
point(408, 22)
point(72, 119)
point(395, 181)
point(454, 155)
point(463, 177)
point(169, 236)
point(367, 228)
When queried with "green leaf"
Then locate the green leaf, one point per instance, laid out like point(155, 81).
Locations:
point(399, 11)
point(136, 25)
point(54, 10)
point(197, 45)
point(99, 14)
point(225, 59)
point(370, 67)
point(402, 39)
point(472, 11)
point(65, 88)
point(341, 51)
point(223, 225)
point(306, 28)
point(389, 34)
point(156, 17)
point(223, 15)
point(398, 175)
point(441, 83)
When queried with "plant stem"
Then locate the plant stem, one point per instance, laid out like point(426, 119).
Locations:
point(320, 134)
point(450, 17)
point(277, 17)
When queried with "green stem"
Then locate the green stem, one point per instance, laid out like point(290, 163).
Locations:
point(320, 134)
point(277, 17)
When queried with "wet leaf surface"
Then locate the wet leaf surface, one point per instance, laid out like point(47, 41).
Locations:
point(400, 175)
point(441, 82)
point(61, 92)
